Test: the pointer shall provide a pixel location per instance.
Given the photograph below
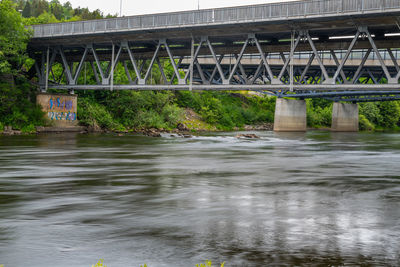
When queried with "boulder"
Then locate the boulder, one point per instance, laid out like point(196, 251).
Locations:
point(249, 136)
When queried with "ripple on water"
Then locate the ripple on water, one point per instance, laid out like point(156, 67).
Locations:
point(315, 198)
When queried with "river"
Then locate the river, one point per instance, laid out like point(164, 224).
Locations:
point(315, 198)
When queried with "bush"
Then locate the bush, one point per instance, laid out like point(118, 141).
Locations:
point(389, 114)
point(172, 115)
point(94, 114)
point(318, 116)
point(18, 108)
point(371, 112)
point(365, 124)
point(150, 119)
point(228, 110)
point(29, 129)
point(144, 109)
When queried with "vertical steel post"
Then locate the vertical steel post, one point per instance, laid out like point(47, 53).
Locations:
point(291, 60)
point(191, 65)
point(112, 68)
point(47, 69)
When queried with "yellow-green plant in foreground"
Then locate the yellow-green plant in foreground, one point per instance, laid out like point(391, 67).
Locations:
point(208, 264)
point(99, 264)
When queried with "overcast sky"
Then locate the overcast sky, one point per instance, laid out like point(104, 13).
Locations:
point(139, 7)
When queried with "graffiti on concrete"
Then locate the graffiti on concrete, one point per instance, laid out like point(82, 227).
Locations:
point(59, 116)
point(61, 109)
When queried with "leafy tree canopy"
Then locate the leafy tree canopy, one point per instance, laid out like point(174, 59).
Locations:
point(13, 38)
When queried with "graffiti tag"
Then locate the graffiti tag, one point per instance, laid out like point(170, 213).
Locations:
point(59, 116)
point(58, 104)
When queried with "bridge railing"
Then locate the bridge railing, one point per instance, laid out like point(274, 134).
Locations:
point(217, 16)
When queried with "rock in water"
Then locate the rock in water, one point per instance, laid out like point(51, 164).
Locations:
point(153, 133)
point(250, 136)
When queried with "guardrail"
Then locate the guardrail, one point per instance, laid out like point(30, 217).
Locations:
point(243, 14)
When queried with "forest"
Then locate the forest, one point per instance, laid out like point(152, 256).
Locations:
point(135, 110)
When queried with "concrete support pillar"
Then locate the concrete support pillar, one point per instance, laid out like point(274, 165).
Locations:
point(290, 115)
point(345, 117)
point(60, 109)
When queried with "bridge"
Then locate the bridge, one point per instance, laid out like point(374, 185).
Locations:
point(342, 50)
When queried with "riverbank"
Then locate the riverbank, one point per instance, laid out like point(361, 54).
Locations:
point(139, 111)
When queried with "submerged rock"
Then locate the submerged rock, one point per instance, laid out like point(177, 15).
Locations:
point(250, 136)
point(152, 133)
point(8, 130)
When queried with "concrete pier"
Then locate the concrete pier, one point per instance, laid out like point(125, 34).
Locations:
point(60, 109)
point(290, 115)
point(345, 117)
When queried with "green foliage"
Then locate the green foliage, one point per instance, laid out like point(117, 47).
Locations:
point(43, 18)
point(365, 124)
point(100, 263)
point(18, 108)
point(389, 113)
point(96, 115)
point(371, 112)
point(13, 38)
point(382, 115)
point(30, 128)
point(36, 8)
point(208, 264)
point(144, 109)
point(319, 114)
point(172, 114)
point(228, 110)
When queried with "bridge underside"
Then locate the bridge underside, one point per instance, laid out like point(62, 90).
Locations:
point(351, 59)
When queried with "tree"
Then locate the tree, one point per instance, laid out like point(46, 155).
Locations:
point(56, 9)
point(13, 38)
point(39, 7)
point(27, 12)
point(390, 114)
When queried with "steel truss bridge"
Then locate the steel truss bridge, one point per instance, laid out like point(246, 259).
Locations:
point(343, 50)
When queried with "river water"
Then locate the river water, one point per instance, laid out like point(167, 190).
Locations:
point(315, 198)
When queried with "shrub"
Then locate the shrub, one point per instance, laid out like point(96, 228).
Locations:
point(318, 116)
point(208, 264)
point(389, 114)
point(371, 112)
point(29, 129)
point(365, 124)
point(100, 263)
point(150, 119)
point(94, 114)
point(228, 110)
point(144, 109)
point(18, 108)
point(172, 115)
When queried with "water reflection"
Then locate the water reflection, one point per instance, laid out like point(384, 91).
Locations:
point(296, 199)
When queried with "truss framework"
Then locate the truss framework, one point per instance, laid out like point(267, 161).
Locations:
point(315, 76)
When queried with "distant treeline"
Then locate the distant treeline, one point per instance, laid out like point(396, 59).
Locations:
point(61, 12)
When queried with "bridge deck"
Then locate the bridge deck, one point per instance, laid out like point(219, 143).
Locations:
point(266, 13)
point(281, 48)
